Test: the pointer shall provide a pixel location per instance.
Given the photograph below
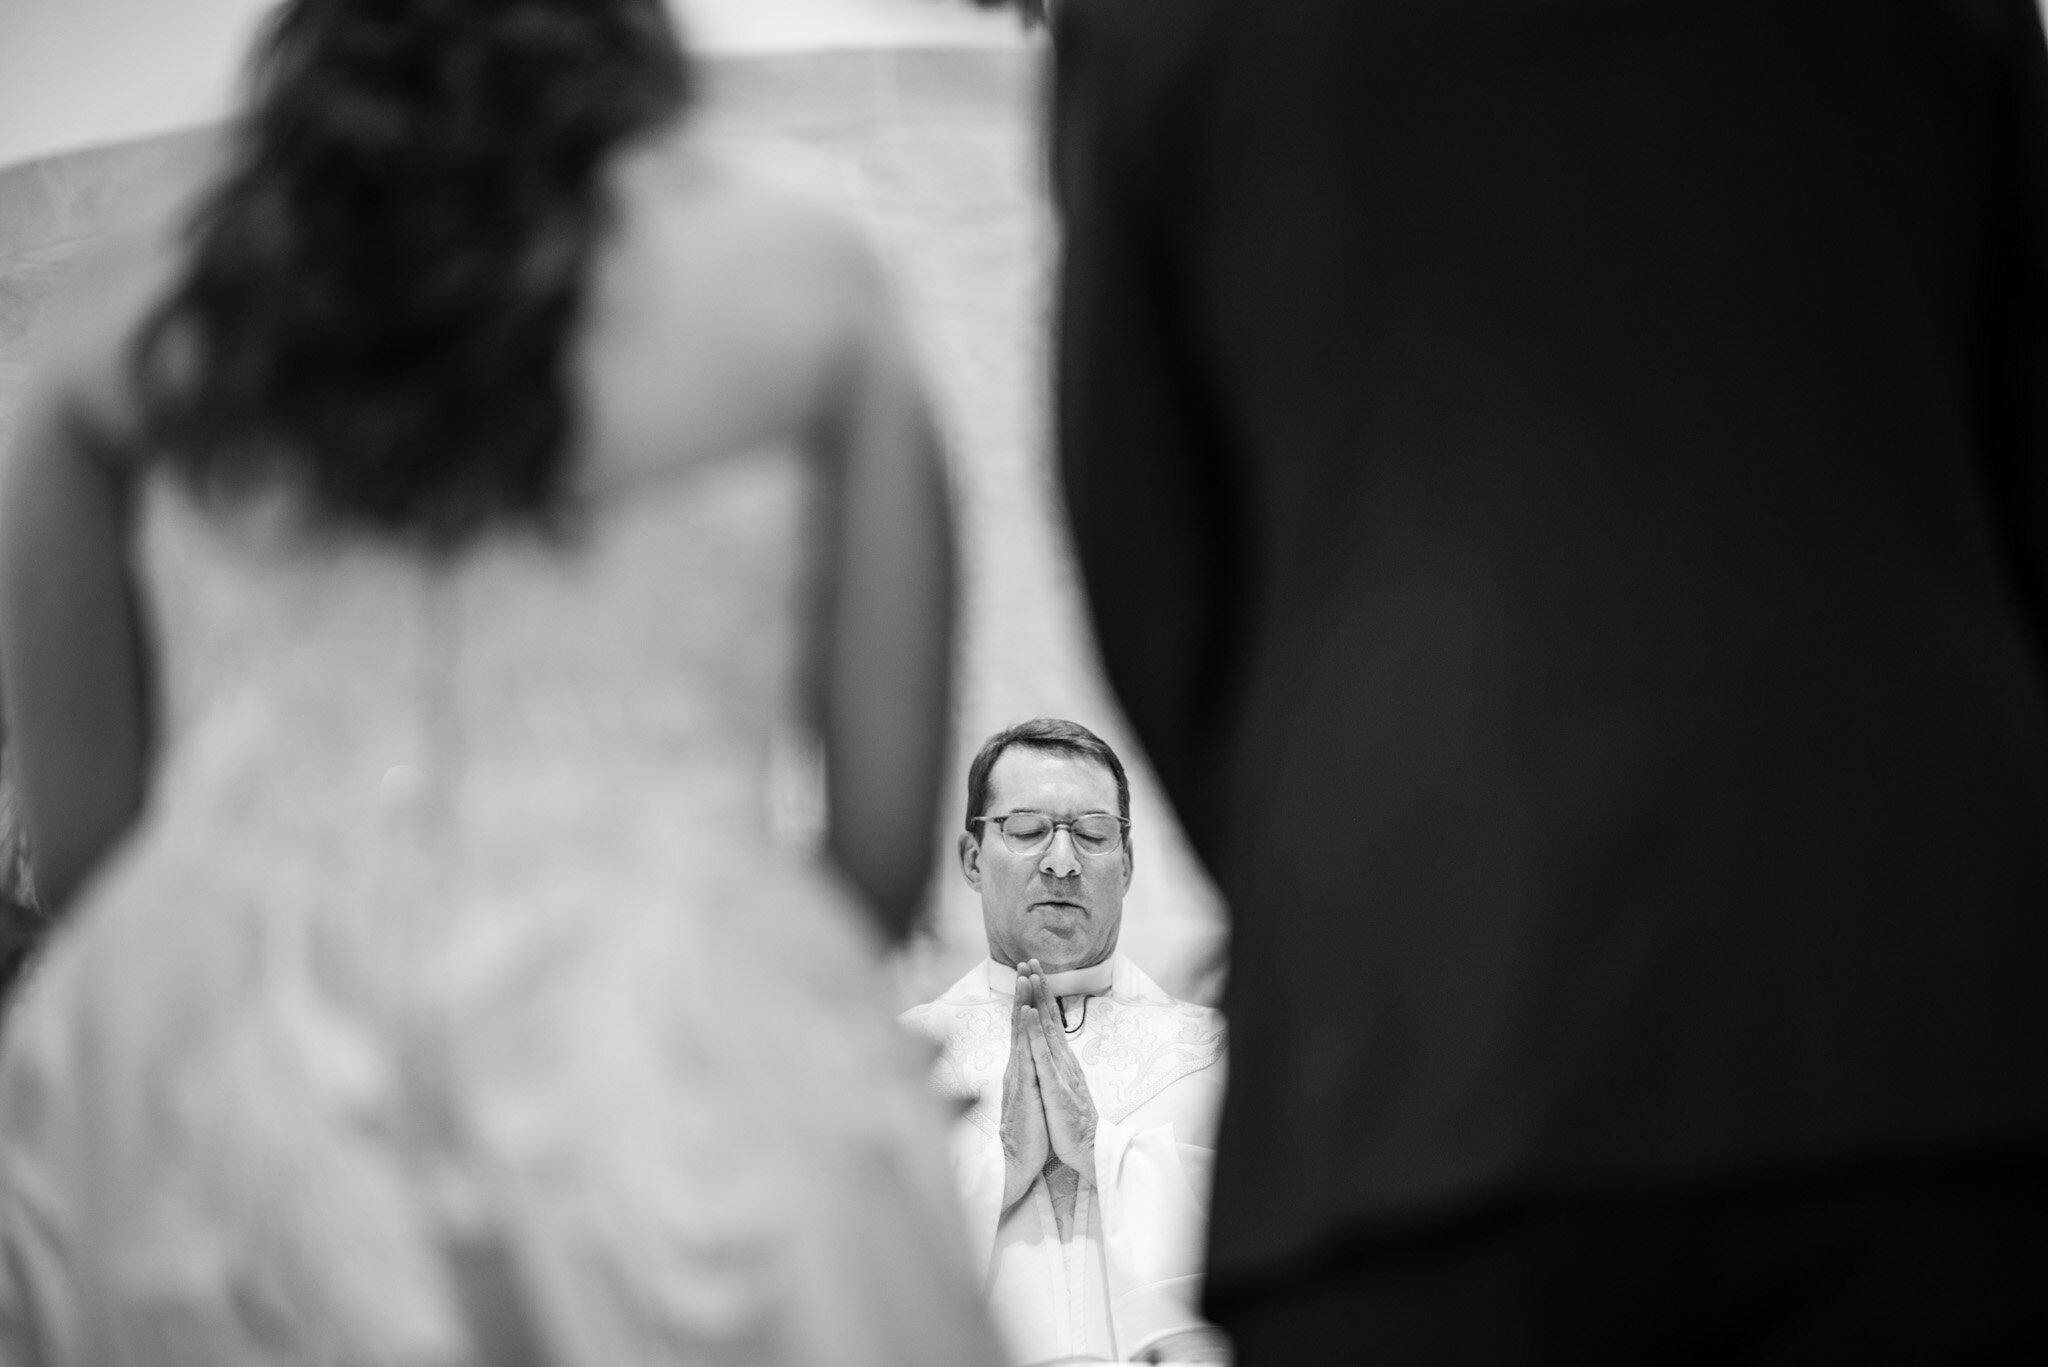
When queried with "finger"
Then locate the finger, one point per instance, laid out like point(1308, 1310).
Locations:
point(1055, 1024)
point(1047, 1004)
point(1056, 1092)
point(1041, 1052)
point(1020, 1006)
point(1065, 1068)
point(1020, 1071)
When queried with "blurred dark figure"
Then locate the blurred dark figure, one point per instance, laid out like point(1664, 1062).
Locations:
point(435, 567)
point(1561, 488)
point(1033, 13)
point(21, 923)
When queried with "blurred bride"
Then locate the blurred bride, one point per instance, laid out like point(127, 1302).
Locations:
point(426, 559)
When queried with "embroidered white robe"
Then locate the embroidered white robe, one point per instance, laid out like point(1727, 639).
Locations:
point(1075, 1270)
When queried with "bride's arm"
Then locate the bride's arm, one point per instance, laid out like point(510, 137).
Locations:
point(890, 601)
point(70, 646)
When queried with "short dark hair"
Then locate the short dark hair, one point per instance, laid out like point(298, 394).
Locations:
point(1044, 733)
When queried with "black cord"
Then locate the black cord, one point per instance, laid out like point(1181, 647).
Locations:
point(1084, 1017)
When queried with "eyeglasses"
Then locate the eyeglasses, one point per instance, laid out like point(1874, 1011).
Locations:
point(1032, 832)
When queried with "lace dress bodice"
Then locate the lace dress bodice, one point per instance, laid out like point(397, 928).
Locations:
point(627, 684)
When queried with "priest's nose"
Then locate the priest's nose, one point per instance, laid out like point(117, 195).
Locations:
point(1061, 859)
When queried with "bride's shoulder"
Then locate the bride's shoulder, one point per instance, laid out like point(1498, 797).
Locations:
point(724, 306)
point(111, 289)
point(737, 209)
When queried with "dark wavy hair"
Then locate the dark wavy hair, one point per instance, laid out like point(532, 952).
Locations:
point(1033, 13)
point(380, 288)
point(1043, 733)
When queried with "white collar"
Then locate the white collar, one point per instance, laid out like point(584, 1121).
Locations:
point(1092, 981)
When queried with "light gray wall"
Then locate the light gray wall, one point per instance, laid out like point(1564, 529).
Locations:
point(79, 73)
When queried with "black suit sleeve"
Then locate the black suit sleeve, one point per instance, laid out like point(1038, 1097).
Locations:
point(2018, 288)
point(1142, 446)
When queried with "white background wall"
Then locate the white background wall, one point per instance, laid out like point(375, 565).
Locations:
point(78, 72)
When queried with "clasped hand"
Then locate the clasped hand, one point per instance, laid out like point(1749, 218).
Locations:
point(1046, 1107)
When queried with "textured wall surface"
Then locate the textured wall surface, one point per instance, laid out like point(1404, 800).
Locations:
point(937, 151)
point(79, 73)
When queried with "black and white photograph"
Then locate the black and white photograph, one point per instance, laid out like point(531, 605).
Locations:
point(1018, 683)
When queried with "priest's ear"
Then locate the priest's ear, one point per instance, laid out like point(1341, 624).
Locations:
point(970, 859)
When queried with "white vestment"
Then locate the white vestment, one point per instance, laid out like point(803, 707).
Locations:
point(1074, 1270)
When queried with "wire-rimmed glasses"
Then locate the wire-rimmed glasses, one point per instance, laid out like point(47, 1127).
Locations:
point(1032, 832)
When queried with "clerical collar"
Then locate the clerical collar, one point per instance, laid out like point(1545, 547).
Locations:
point(1092, 981)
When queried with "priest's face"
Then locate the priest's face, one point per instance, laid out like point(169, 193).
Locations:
point(1060, 905)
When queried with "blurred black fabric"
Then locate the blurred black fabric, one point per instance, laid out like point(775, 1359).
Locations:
point(1562, 488)
point(1902, 1266)
point(21, 932)
point(22, 924)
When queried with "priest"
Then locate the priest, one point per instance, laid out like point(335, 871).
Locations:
point(1090, 1095)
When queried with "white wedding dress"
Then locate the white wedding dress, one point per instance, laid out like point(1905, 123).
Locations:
point(455, 998)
